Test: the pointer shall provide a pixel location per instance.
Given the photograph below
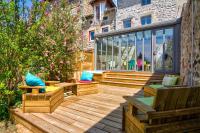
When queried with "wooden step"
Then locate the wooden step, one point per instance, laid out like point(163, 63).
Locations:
point(136, 76)
point(132, 80)
point(123, 84)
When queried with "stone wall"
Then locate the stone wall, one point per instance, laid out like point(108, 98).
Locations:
point(160, 10)
point(190, 44)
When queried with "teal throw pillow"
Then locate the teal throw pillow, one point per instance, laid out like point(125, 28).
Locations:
point(86, 76)
point(32, 80)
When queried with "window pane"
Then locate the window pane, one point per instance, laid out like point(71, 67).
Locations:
point(105, 29)
point(158, 50)
point(145, 2)
point(99, 58)
point(124, 52)
point(97, 12)
point(116, 59)
point(104, 43)
point(127, 23)
point(168, 56)
point(131, 52)
point(91, 35)
point(146, 20)
point(147, 51)
point(109, 54)
point(139, 51)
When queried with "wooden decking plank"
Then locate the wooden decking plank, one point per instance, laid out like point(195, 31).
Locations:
point(59, 123)
point(95, 116)
point(40, 123)
point(102, 103)
point(94, 109)
point(86, 118)
point(103, 120)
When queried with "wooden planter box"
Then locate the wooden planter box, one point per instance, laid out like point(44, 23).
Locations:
point(42, 102)
point(85, 88)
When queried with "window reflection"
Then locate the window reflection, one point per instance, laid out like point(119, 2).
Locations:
point(109, 54)
point(131, 52)
point(124, 52)
point(147, 51)
point(158, 50)
point(139, 51)
point(116, 58)
point(103, 63)
point(99, 58)
point(168, 56)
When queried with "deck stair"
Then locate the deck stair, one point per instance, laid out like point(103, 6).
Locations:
point(131, 79)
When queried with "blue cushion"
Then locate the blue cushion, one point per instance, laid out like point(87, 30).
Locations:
point(87, 76)
point(32, 80)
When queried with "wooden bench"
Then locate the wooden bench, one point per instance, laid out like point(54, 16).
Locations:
point(171, 110)
point(151, 91)
point(36, 102)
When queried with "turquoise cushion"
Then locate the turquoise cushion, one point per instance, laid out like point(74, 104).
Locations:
point(32, 80)
point(169, 80)
point(146, 100)
point(156, 86)
point(86, 76)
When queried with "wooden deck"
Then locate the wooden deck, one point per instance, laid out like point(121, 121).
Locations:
point(96, 113)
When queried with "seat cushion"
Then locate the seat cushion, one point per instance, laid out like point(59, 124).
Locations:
point(146, 100)
point(156, 86)
point(169, 80)
point(86, 76)
point(32, 80)
point(51, 88)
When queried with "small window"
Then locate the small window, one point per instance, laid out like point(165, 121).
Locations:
point(127, 23)
point(146, 20)
point(105, 29)
point(146, 2)
point(91, 35)
point(105, 18)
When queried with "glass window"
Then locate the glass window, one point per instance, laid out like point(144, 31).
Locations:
point(147, 51)
point(105, 29)
point(98, 12)
point(131, 52)
point(104, 54)
point(124, 52)
point(139, 52)
point(146, 20)
point(158, 50)
point(116, 55)
point(168, 46)
point(109, 54)
point(146, 2)
point(127, 23)
point(91, 35)
point(99, 50)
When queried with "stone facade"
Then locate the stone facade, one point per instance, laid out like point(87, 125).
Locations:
point(190, 44)
point(160, 10)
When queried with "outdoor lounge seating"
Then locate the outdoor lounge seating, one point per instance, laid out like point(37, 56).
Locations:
point(35, 102)
point(150, 90)
point(175, 109)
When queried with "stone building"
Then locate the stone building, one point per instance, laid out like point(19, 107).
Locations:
point(190, 43)
point(110, 15)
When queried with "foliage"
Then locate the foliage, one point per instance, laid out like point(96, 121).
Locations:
point(59, 32)
point(34, 40)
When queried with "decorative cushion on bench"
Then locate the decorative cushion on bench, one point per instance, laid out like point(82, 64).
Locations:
point(86, 76)
point(146, 100)
point(169, 80)
point(51, 88)
point(32, 80)
point(156, 86)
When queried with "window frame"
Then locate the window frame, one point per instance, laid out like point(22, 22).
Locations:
point(145, 2)
point(104, 28)
point(90, 37)
point(125, 20)
point(145, 17)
